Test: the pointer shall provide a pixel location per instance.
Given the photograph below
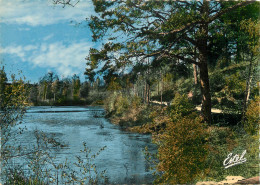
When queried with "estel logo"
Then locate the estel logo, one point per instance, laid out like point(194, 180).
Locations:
point(234, 160)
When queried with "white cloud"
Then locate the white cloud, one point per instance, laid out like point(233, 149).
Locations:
point(65, 59)
point(14, 50)
point(48, 37)
point(42, 12)
point(23, 29)
point(29, 47)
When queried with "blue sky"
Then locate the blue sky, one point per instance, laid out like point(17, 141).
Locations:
point(37, 36)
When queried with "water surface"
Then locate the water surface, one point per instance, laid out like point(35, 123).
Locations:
point(123, 157)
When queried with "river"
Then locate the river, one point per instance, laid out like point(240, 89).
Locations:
point(123, 157)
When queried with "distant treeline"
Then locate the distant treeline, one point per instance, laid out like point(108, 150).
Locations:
point(51, 90)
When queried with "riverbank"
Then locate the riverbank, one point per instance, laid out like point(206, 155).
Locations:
point(145, 119)
point(65, 103)
point(223, 136)
point(68, 102)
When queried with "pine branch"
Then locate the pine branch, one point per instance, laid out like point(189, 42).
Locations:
point(229, 9)
point(212, 18)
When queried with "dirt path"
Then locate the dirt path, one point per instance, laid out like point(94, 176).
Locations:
point(232, 180)
point(213, 110)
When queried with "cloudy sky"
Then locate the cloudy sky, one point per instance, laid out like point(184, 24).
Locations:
point(37, 36)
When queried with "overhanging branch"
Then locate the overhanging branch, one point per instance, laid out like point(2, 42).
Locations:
point(214, 17)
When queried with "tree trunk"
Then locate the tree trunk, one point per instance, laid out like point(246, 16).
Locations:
point(205, 92)
point(147, 93)
point(161, 88)
point(195, 74)
point(161, 96)
point(134, 89)
point(247, 91)
point(158, 92)
point(144, 94)
point(203, 67)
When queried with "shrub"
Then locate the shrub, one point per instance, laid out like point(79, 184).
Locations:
point(182, 146)
point(136, 102)
point(13, 98)
point(182, 150)
point(121, 104)
point(110, 102)
point(251, 125)
point(180, 106)
point(117, 103)
point(17, 176)
point(217, 82)
point(223, 141)
point(95, 96)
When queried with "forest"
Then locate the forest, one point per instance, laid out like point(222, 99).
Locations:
point(163, 60)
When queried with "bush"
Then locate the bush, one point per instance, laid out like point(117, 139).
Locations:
point(182, 146)
point(96, 96)
point(223, 141)
point(251, 125)
point(110, 102)
point(117, 103)
point(16, 176)
point(182, 150)
point(136, 102)
point(121, 104)
point(180, 106)
point(217, 82)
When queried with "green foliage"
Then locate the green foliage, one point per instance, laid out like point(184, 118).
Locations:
point(76, 86)
point(223, 141)
point(16, 176)
point(12, 108)
point(180, 106)
point(114, 85)
point(96, 96)
point(121, 104)
point(217, 82)
point(50, 90)
point(136, 102)
point(84, 90)
point(182, 150)
point(228, 90)
point(251, 35)
point(155, 32)
point(167, 96)
point(235, 84)
point(182, 146)
point(118, 103)
point(3, 81)
point(127, 110)
point(109, 102)
point(251, 124)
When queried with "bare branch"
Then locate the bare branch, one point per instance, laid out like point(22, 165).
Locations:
point(188, 60)
point(158, 15)
point(65, 2)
